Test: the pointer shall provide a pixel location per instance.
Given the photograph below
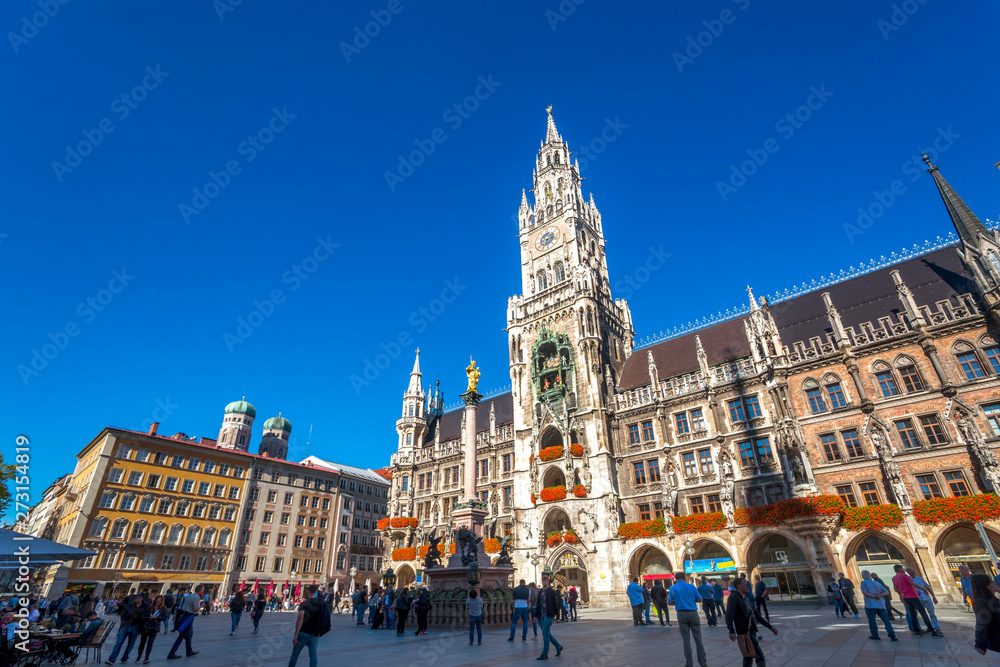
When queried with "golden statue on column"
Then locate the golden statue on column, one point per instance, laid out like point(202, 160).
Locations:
point(473, 374)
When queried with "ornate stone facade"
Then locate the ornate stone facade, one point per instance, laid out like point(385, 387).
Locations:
point(883, 389)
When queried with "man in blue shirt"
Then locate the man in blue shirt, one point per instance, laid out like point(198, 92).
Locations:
point(637, 600)
point(708, 602)
point(965, 579)
point(685, 599)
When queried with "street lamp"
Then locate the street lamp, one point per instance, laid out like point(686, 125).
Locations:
point(389, 578)
point(354, 574)
point(473, 574)
point(534, 561)
point(689, 553)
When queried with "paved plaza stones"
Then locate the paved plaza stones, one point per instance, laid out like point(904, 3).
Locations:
point(810, 636)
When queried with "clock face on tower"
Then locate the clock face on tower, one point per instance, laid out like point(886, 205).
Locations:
point(547, 238)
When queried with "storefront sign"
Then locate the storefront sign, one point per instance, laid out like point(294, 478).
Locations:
point(709, 565)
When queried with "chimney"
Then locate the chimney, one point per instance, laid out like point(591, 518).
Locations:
point(153, 427)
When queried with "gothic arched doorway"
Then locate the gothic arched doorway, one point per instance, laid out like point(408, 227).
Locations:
point(783, 567)
point(553, 477)
point(570, 572)
point(962, 545)
point(405, 576)
point(649, 563)
point(877, 553)
point(710, 559)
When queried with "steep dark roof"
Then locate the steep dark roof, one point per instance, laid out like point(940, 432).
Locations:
point(936, 276)
point(450, 423)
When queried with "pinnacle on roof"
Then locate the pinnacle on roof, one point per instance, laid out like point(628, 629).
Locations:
point(551, 133)
point(524, 198)
point(966, 223)
point(753, 302)
point(414, 387)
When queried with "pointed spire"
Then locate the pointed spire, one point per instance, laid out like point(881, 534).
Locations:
point(414, 387)
point(966, 223)
point(753, 302)
point(524, 199)
point(551, 133)
point(706, 370)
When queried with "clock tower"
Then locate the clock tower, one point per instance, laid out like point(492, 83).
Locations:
point(569, 339)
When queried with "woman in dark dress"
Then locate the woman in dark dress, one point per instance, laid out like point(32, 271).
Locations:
point(986, 607)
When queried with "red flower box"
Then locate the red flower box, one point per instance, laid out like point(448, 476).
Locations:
point(874, 517)
point(550, 453)
point(699, 523)
point(981, 507)
point(580, 491)
point(781, 511)
point(553, 538)
point(550, 493)
point(491, 546)
point(403, 522)
point(570, 538)
point(404, 553)
point(383, 524)
point(576, 449)
point(533, 499)
point(635, 529)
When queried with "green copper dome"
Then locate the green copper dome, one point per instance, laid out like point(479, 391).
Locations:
point(278, 423)
point(241, 408)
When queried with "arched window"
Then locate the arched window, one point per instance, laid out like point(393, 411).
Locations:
point(548, 160)
point(209, 537)
point(814, 396)
point(224, 536)
point(560, 272)
point(557, 158)
point(543, 281)
point(118, 529)
point(175, 534)
point(156, 535)
point(98, 526)
point(909, 374)
point(885, 379)
point(994, 260)
point(193, 533)
point(992, 353)
point(411, 409)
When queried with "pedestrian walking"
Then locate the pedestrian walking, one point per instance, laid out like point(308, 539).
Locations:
point(646, 602)
point(965, 580)
point(547, 611)
point(388, 600)
point(168, 606)
point(708, 603)
point(521, 595)
point(402, 609)
point(188, 609)
point(206, 607)
point(474, 604)
point(847, 592)
point(258, 612)
point(760, 596)
point(423, 607)
point(236, 606)
point(157, 611)
point(573, 597)
point(360, 604)
point(564, 604)
point(131, 616)
point(685, 598)
point(659, 597)
point(986, 606)
point(719, 596)
point(893, 613)
point(908, 594)
point(636, 600)
point(927, 598)
point(875, 597)
point(833, 588)
point(311, 623)
point(741, 620)
point(534, 592)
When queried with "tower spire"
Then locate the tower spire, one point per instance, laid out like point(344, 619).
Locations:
point(551, 133)
point(415, 376)
point(966, 223)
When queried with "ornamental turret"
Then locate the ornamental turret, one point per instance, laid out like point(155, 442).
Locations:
point(237, 423)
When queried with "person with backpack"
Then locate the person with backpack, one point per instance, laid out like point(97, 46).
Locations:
point(258, 612)
point(168, 606)
point(188, 609)
point(423, 607)
point(131, 615)
point(313, 622)
point(150, 628)
point(360, 603)
point(236, 606)
point(388, 600)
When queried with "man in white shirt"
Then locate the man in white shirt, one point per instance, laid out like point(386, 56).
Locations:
point(875, 595)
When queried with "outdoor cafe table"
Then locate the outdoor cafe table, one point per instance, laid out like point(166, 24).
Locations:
point(53, 645)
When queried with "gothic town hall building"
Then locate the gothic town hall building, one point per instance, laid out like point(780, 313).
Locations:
point(844, 428)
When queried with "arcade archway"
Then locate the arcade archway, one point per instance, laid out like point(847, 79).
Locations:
point(649, 563)
point(878, 553)
point(710, 559)
point(783, 566)
point(962, 545)
point(569, 571)
point(405, 576)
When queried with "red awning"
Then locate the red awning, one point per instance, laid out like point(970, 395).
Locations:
point(650, 577)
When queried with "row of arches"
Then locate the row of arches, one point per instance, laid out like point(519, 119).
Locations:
point(785, 564)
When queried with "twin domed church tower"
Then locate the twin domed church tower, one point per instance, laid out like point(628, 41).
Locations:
point(238, 423)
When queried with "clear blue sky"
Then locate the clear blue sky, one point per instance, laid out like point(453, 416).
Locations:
point(681, 124)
